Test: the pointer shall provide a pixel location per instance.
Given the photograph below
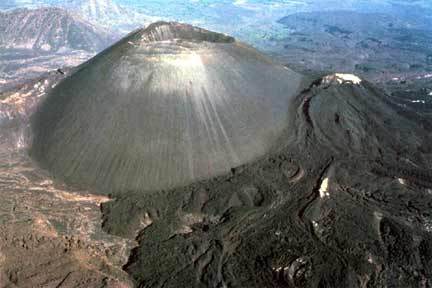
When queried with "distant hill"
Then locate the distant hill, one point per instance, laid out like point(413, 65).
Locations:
point(50, 30)
point(108, 14)
point(35, 41)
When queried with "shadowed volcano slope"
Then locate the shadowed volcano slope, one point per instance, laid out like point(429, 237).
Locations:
point(163, 107)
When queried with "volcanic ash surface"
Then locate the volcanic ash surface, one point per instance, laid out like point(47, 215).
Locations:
point(163, 107)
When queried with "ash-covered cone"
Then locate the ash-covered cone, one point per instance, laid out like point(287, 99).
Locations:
point(165, 106)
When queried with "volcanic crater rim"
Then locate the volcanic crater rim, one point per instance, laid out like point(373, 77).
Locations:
point(174, 31)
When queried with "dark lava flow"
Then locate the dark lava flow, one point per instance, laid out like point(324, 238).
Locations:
point(342, 199)
point(345, 202)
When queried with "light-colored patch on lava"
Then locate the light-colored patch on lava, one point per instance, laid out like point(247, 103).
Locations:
point(342, 78)
point(324, 188)
point(146, 221)
point(401, 181)
point(184, 229)
point(192, 218)
point(348, 78)
point(187, 220)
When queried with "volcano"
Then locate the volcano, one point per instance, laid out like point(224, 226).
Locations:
point(225, 171)
point(167, 105)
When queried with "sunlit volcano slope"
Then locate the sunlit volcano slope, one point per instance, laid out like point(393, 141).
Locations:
point(165, 106)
